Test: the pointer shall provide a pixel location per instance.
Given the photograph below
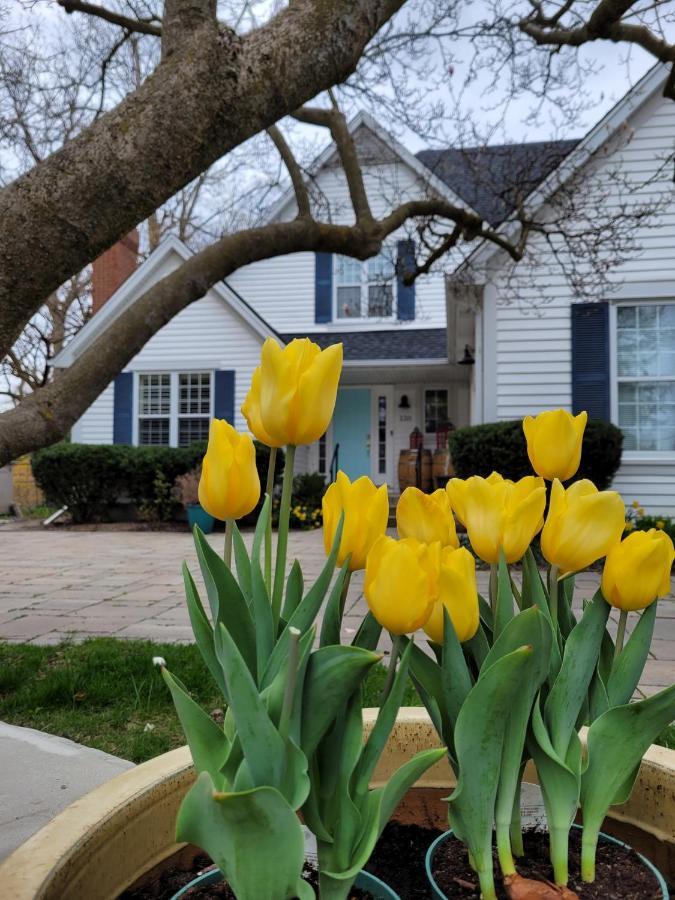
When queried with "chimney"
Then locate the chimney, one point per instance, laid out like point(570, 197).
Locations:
point(113, 268)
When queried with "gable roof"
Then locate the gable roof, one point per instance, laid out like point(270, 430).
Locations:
point(141, 280)
point(393, 344)
point(617, 117)
point(492, 179)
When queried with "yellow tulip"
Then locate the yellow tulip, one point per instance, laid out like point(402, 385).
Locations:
point(554, 442)
point(229, 487)
point(583, 524)
point(366, 509)
point(637, 570)
point(292, 399)
point(401, 583)
point(458, 594)
point(426, 517)
point(498, 513)
point(251, 411)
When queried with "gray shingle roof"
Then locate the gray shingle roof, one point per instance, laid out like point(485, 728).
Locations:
point(395, 343)
point(492, 179)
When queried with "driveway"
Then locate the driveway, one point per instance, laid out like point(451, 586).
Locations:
point(57, 584)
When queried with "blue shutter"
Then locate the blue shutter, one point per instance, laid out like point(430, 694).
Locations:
point(323, 287)
point(406, 293)
point(223, 395)
point(123, 389)
point(590, 359)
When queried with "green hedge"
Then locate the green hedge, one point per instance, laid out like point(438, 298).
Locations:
point(501, 447)
point(91, 479)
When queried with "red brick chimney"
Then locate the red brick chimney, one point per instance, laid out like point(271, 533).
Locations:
point(113, 268)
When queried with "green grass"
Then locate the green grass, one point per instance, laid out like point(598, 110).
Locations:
point(104, 692)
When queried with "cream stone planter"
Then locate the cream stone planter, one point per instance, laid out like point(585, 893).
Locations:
point(110, 838)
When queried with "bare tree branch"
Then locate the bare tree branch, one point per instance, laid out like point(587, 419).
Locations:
point(140, 26)
point(182, 18)
point(293, 169)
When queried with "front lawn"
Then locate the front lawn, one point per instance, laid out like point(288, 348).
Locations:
point(106, 693)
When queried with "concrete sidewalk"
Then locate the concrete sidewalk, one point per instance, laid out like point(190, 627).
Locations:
point(41, 775)
point(57, 585)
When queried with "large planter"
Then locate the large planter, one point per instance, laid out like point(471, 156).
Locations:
point(109, 839)
point(196, 515)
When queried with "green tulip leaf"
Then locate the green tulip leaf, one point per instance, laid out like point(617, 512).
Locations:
point(242, 561)
point(273, 694)
point(332, 616)
point(616, 743)
point(426, 675)
point(628, 666)
point(202, 630)
point(368, 635)
point(504, 605)
point(260, 529)
point(570, 689)
point(456, 681)
point(334, 673)
point(271, 759)
point(479, 738)
point(598, 700)
point(208, 745)
point(255, 838)
point(566, 617)
point(294, 588)
point(228, 604)
point(261, 608)
point(478, 647)
point(559, 777)
point(486, 613)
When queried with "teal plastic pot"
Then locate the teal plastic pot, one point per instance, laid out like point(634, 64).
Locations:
point(198, 516)
point(608, 839)
point(364, 880)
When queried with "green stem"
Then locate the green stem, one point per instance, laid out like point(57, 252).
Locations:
point(553, 595)
point(268, 531)
point(494, 572)
point(229, 531)
point(282, 533)
point(345, 591)
point(516, 827)
point(391, 671)
point(503, 833)
point(487, 882)
point(620, 633)
point(291, 681)
point(559, 846)
point(589, 843)
point(334, 888)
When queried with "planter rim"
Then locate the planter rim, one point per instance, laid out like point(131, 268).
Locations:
point(607, 838)
point(54, 853)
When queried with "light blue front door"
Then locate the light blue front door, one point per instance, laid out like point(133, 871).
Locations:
point(351, 430)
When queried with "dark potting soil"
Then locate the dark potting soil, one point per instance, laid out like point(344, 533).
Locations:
point(619, 872)
point(398, 859)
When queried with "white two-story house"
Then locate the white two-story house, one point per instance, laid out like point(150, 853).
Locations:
point(449, 349)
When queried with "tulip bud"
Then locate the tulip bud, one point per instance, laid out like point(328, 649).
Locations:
point(292, 396)
point(401, 583)
point(637, 570)
point(426, 517)
point(554, 442)
point(458, 594)
point(499, 514)
point(583, 524)
point(229, 487)
point(366, 509)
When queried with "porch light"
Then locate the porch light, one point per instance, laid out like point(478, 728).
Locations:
point(404, 403)
point(468, 359)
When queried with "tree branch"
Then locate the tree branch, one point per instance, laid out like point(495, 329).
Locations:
point(209, 97)
point(140, 26)
point(181, 19)
point(293, 169)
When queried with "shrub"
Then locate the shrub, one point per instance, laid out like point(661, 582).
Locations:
point(308, 489)
point(93, 478)
point(501, 447)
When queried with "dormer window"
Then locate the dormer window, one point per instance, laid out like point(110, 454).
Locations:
point(365, 290)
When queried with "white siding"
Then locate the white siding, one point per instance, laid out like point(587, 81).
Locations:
point(282, 289)
point(96, 425)
point(531, 335)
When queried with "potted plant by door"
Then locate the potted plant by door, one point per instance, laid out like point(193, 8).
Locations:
point(186, 490)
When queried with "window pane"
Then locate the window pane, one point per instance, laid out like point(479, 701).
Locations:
point(382, 435)
point(646, 340)
point(626, 317)
point(348, 270)
point(380, 268)
point(380, 300)
point(348, 302)
point(155, 395)
point(195, 393)
point(153, 432)
point(435, 409)
point(667, 316)
point(647, 415)
point(192, 430)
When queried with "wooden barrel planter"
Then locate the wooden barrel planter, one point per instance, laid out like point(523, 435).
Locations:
point(407, 470)
point(442, 468)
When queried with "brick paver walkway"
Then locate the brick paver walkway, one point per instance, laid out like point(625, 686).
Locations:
point(57, 584)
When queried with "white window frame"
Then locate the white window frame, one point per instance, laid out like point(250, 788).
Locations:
point(174, 415)
point(433, 387)
point(364, 283)
point(633, 456)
